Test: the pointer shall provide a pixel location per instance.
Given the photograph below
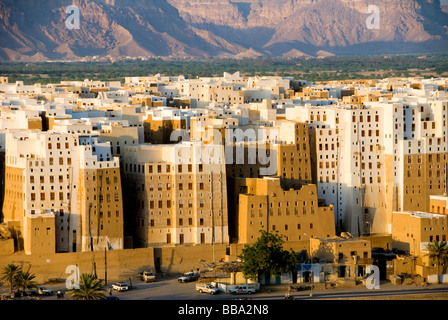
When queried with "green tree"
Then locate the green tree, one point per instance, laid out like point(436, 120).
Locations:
point(8, 275)
point(267, 255)
point(90, 288)
point(24, 281)
point(438, 250)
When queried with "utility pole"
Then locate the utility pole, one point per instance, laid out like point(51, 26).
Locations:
point(221, 210)
point(312, 275)
point(100, 199)
point(69, 204)
point(213, 216)
point(91, 243)
point(105, 265)
point(90, 228)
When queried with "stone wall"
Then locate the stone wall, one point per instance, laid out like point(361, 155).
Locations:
point(121, 264)
point(6, 247)
point(180, 259)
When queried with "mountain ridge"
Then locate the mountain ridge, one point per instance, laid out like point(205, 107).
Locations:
point(35, 31)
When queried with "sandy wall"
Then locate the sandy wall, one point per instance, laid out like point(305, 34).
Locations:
point(121, 264)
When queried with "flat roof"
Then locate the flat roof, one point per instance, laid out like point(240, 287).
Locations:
point(444, 198)
point(421, 214)
point(342, 239)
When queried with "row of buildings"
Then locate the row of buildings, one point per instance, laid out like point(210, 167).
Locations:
point(163, 161)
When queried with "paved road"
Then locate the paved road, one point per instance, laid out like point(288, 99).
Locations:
point(170, 289)
point(337, 294)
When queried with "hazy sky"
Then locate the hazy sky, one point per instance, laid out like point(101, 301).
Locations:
point(444, 2)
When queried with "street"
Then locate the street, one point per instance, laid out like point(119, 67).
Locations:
point(170, 289)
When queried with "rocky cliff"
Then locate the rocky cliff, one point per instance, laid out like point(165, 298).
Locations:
point(36, 31)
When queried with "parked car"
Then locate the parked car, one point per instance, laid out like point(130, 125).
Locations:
point(242, 290)
point(44, 291)
point(120, 286)
point(189, 276)
point(148, 276)
point(32, 292)
point(207, 288)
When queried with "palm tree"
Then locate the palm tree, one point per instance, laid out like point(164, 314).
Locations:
point(8, 275)
point(90, 288)
point(24, 280)
point(439, 251)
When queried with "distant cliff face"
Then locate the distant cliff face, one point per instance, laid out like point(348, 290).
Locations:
point(36, 30)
